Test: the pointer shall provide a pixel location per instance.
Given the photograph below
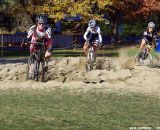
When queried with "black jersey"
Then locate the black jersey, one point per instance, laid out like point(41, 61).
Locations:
point(149, 37)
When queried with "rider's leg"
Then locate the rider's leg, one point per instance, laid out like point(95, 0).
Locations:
point(48, 52)
point(85, 48)
point(143, 42)
point(95, 47)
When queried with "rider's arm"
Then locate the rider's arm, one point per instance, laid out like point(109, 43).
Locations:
point(99, 35)
point(155, 38)
point(49, 38)
point(145, 35)
point(85, 34)
point(48, 32)
point(31, 31)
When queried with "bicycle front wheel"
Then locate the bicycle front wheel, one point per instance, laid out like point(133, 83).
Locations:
point(144, 59)
point(36, 70)
point(29, 74)
point(90, 61)
point(148, 60)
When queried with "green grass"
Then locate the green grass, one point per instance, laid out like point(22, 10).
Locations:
point(133, 50)
point(128, 52)
point(61, 110)
point(15, 53)
point(61, 53)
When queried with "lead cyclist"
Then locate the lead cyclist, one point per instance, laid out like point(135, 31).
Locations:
point(38, 33)
point(92, 34)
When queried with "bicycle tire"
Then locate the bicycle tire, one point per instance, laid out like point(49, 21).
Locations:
point(146, 60)
point(36, 70)
point(150, 59)
point(27, 69)
point(90, 60)
point(88, 63)
point(137, 59)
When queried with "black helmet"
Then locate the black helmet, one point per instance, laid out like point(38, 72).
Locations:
point(42, 18)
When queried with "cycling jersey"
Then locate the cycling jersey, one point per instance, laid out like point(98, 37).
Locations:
point(149, 36)
point(93, 34)
point(34, 33)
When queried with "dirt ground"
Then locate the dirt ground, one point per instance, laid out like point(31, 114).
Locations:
point(111, 74)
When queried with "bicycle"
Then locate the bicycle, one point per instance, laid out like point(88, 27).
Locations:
point(35, 60)
point(145, 57)
point(91, 57)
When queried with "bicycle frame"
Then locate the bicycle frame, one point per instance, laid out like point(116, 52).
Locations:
point(149, 47)
point(37, 58)
point(38, 50)
point(147, 50)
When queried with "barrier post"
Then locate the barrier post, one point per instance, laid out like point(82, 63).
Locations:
point(2, 46)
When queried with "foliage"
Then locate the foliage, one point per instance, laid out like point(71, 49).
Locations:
point(117, 12)
point(58, 9)
point(133, 29)
point(149, 7)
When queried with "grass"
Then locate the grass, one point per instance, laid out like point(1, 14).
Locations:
point(15, 53)
point(60, 53)
point(133, 50)
point(109, 52)
point(61, 110)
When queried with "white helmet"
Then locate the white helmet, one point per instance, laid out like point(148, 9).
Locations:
point(151, 24)
point(92, 23)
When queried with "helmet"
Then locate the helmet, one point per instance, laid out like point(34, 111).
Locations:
point(41, 18)
point(151, 24)
point(92, 23)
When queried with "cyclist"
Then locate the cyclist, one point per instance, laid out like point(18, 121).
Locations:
point(92, 34)
point(38, 33)
point(149, 36)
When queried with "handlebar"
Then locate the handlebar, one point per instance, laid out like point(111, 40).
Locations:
point(39, 44)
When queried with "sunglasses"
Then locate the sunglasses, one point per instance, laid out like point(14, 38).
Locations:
point(92, 27)
point(41, 23)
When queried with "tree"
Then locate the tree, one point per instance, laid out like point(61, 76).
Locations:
point(21, 13)
point(120, 12)
point(131, 11)
point(149, 7)
point(59, 9)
